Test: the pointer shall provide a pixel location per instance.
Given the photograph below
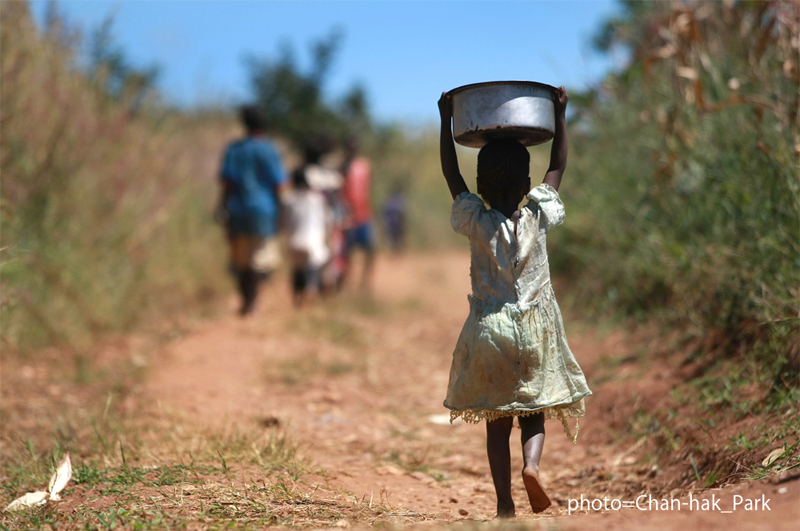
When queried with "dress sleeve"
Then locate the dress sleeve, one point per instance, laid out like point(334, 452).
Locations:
point(467, 208)
point(550, 205)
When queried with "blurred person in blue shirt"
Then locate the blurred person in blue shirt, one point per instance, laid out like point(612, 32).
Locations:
point(252, 179)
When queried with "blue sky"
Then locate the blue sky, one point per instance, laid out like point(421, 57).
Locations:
point(405, 53)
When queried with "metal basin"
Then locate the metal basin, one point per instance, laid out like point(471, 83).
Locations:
point(519, 110)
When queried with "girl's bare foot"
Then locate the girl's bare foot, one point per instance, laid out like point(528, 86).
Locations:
point(536, 494)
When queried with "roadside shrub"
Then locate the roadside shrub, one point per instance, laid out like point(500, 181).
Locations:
point(686, 162)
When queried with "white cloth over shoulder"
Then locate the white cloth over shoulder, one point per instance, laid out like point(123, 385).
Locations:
point(322, 178)
point(512, 357)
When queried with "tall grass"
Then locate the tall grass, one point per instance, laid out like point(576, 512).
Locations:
point(687, 190)
point(105, 213)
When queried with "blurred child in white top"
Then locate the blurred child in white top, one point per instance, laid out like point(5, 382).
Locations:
point(307, 223)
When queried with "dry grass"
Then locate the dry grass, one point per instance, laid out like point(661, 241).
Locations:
point(173, 476)
point(106, 212)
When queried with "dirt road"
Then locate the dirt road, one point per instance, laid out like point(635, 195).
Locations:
point(358, 383)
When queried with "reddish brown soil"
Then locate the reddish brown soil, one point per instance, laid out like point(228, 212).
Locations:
point(355, 382)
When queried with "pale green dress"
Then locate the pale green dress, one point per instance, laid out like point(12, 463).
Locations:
point(512, 357)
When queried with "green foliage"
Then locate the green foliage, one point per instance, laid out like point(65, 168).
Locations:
point(684, 188)
point(294, 102)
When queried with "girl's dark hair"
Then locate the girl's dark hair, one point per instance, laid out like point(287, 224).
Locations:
point(503, 165)
point(252, 118)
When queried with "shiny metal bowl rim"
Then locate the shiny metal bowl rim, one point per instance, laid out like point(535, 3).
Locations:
point(462, 88)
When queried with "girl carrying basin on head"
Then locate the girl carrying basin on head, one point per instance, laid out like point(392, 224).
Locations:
point(512, 358)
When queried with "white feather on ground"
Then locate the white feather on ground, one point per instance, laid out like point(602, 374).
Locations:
point(60, 478)
point(31, 499)
point(58, 481)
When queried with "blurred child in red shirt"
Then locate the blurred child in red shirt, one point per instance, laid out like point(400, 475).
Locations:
point(357, 176)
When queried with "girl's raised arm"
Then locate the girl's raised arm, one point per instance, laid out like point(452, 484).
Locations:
point(558, 152)
point(447, 150)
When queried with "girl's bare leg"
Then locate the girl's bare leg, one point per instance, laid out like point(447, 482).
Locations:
point(532, 444)
point(497, 447)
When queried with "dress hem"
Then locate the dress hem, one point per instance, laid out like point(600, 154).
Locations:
point(574, 409)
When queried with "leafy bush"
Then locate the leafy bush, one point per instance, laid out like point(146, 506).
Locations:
point(686, 163)
point(294, 102)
